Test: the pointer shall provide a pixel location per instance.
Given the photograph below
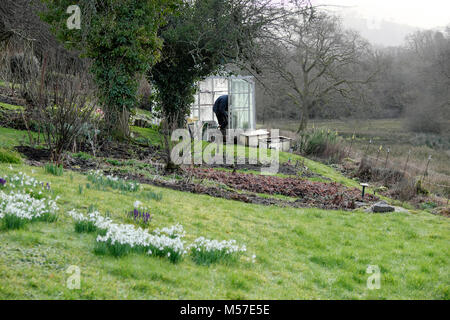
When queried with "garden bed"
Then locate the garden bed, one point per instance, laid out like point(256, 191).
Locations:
point(319, 194)
point(331, 196)
point(285, 169)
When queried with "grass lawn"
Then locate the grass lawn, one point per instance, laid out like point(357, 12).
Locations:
point(11, 137)
point(300, 253)
point(10, 107)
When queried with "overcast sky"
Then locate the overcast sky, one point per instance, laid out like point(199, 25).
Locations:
point(424, 14)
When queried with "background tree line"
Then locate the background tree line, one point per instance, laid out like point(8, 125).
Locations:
point(307, 65)
point(319, 70)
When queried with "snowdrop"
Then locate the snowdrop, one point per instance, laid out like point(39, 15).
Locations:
point(175, 231)
point(97, 177)
point(206, 251)
point(17, 208)
point(92, 222)
point(214, 245)
point(119, 239)
point(22, 180)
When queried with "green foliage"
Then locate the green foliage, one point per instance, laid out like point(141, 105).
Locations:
point(101, 182)
point(114, 162)
point(48, 217)
point(319, 143)
point(204, 257)
point(82, 155)
point(8, 156)
point(11, 222)
point(151, 195)
point(428, 205)
point(420, 189)
point(54, 169)
point(314, 142)
point(85, 226)
point(120, 36)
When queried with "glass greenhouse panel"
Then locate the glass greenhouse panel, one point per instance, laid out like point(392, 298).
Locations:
point(241, 92)
point(241, 107)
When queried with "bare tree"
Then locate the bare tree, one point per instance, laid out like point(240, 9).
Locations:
point(19, 21)
point(61, 101)
point(314, 57)
point(430, 51)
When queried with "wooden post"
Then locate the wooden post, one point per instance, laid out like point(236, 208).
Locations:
point(378, 154)
point(425, 173)
point(406, 163)
point(368, 146)
point(351, 144)
point(387, 157)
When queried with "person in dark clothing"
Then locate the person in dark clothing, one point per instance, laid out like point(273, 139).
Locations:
point(220, 108)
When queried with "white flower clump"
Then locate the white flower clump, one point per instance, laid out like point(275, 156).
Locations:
point(23, 180)
point(95, 217)
point(99, 175)
point(124, 234)
point(173, 232)
point(75, 215)
point(207, 245)
point(24, 206)
point(128, 234)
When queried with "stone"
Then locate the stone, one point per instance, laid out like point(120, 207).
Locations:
point(382, 207)
point(402, 210)
point(360, 204)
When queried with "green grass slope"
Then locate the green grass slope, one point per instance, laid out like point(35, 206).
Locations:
point(300, 253)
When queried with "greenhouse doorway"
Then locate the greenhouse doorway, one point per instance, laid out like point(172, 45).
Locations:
point(241, 102)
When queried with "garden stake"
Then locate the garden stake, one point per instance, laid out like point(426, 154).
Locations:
point(387, 157)
point(378, 154)
point(368, 146)
point(406, 163)
point(425, 173)
point(351, 144)
point(364, 185)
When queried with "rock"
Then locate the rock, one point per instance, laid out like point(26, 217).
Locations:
point(360, 204)
point(382, 207)
point(402, 210)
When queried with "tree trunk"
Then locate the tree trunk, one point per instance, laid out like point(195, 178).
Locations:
point(117, 120)
point(304, 119)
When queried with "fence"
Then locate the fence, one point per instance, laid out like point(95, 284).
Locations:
point(436, 182)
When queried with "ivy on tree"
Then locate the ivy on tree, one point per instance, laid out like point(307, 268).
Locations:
point(120, 37)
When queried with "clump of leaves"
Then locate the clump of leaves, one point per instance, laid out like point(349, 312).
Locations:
point(8, 156)
point(101, 182)
point(151, 195)
point(82, 155)
point(54, 169)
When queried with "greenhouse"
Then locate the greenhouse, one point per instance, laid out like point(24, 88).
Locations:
point(241, 101)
